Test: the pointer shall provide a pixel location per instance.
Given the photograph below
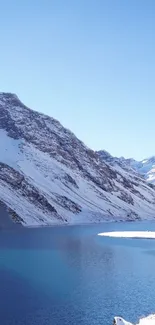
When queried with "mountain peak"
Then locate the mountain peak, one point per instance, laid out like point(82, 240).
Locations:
point(5, 96)
point(105, 154)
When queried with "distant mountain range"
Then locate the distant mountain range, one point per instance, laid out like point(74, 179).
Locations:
point(48, 176)
point(145, 167)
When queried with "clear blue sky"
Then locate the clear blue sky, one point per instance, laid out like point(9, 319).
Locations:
point(89, 64)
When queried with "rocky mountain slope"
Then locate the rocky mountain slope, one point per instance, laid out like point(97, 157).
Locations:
point(48, 176)
point(145, 167)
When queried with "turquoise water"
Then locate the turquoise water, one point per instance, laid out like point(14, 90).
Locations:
point(69, 275)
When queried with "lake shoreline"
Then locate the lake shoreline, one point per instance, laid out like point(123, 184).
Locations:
point(88, 224)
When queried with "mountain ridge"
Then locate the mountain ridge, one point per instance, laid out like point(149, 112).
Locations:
point(145, 167)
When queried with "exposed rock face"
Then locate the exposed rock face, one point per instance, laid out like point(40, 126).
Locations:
point(48, 176)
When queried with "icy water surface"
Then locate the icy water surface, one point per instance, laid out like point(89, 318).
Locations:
point(70, 275)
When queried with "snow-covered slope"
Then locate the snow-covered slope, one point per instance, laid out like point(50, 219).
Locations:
point(145, 167)
point(48, 176)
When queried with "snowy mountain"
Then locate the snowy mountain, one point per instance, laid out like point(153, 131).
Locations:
point(129, 165)
point(48, 176)
point(144, 167)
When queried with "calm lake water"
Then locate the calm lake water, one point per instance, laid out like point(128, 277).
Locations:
point(69, 275)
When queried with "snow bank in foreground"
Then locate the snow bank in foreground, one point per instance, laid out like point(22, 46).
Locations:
point(150, 320)
point(129, 234)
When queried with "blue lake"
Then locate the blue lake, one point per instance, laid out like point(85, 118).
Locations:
point(69, 275)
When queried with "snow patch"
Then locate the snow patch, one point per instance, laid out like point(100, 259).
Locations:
point(149, 320)
point(129, 234)
point(9, 150)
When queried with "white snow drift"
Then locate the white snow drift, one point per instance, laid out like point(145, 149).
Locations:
point(129, 234)
point(149, 320)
